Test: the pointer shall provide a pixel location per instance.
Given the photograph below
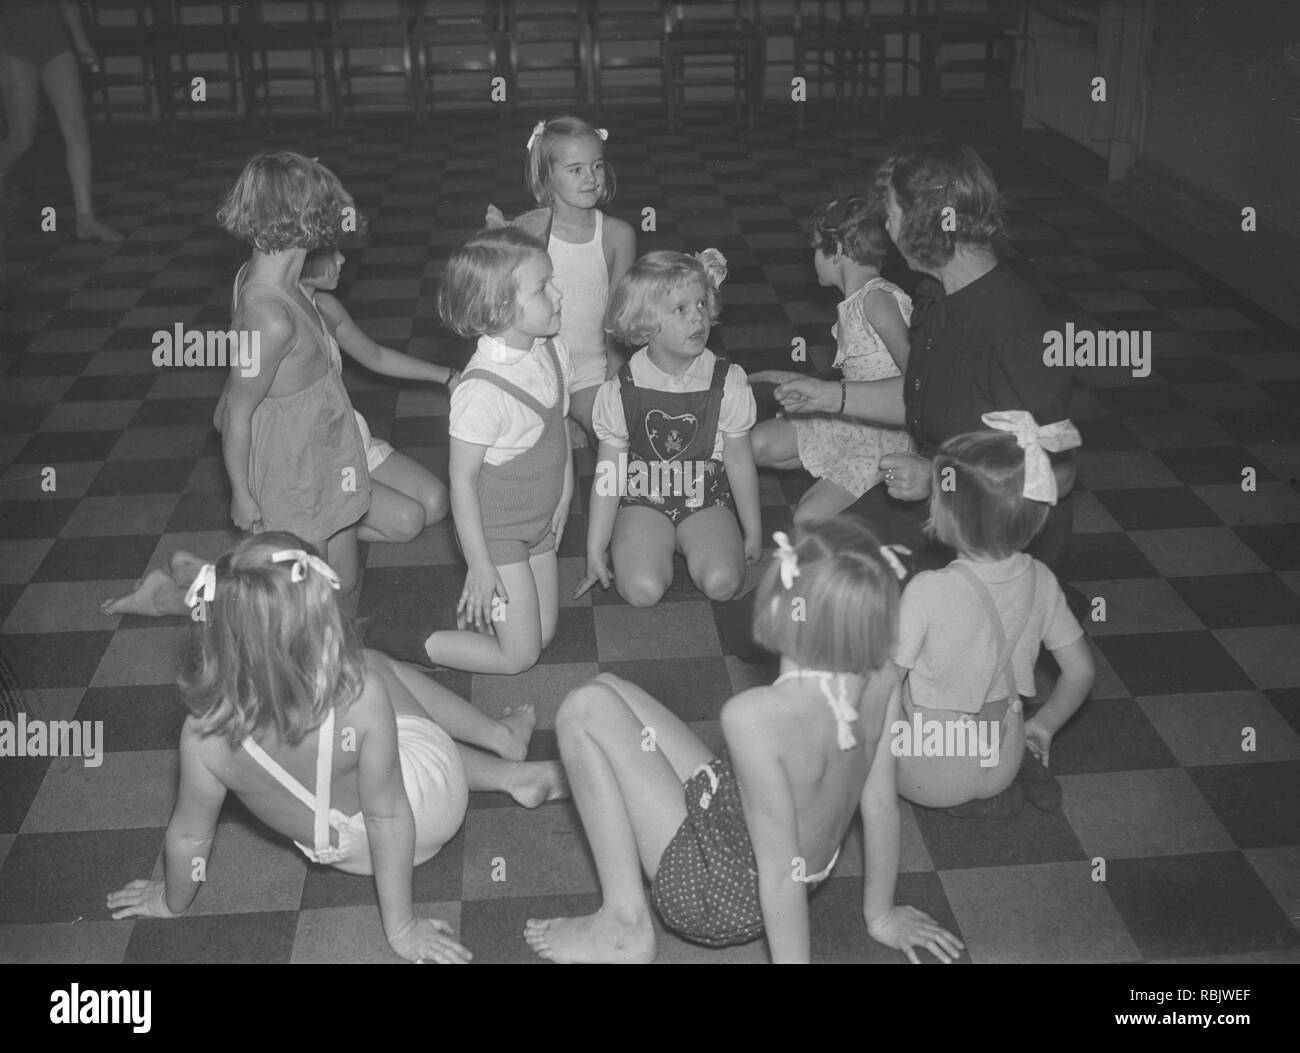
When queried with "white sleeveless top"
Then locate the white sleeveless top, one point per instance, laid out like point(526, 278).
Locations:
point(582, 276)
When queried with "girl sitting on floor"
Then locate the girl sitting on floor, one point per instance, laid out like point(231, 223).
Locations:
point(327, 744)
point(731, 844)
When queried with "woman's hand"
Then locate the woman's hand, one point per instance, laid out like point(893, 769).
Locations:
point(140, 899)
point(429, 940)
point(246, 513)
point(776, 376)
point(1038, 739)
point(478, 598)
point(905, 928)
point(907, 476)
point(809, 395)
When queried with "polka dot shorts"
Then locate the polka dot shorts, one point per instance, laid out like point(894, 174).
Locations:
point(706, 887)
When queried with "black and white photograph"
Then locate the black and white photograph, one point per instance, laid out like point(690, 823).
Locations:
point(585, 481)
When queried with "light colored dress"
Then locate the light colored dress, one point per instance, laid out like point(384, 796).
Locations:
point(833, 447)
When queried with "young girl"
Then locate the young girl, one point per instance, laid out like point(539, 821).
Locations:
point(567, 173)
point(329, 745)
point(969, 634)
point(510, 467)
point(850, 243)
point(732, 843)
point(675, 472)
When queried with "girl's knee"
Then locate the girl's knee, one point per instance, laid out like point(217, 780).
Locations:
point(640, 591)
point(437, 505)
point(408, 520)
point(582, 703)
point(520, 657)
point(720, 583)
point(806, 513)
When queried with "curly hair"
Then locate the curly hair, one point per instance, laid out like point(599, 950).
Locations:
point(272, 652)
point(287, 201)
point(478, 290)
point(635, 304)
point(853, 226)
point(541, 155)
point(928, 178)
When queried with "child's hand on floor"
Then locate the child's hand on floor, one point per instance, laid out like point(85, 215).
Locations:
point(140, 899)
point(1038, 739)
point(904, 928)
point(753, 548)
point(597, 571)
point(429, 940)
point(476, 605)
point(246, 513)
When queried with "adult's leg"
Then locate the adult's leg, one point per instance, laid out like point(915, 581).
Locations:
point(19, 84)
point(775, 444)
point(642, 549)
point(821, 501)
point(631, 803)
point(714, 550)
point(62, 84)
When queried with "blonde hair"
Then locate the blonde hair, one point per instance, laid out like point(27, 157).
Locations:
point(541, 156)
point(840, 614)
point(977, 504)
point(478, 291)
point(636, 303)
point(271, 652)
point(285, 201)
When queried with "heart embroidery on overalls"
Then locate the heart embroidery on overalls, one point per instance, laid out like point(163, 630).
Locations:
point(670, 436)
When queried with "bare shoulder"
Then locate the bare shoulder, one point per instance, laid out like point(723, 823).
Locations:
point(750, 712)
point(619, 229)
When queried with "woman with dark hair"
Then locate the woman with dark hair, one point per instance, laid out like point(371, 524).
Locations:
point(977, 346)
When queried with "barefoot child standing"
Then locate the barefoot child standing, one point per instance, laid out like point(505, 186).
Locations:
point(331, 746)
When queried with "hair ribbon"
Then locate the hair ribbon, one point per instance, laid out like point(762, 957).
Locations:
point(786, 557)
point(538, 129)
point(890, 554)
point(204, 586)
point(302, 561)
point(1040, 482)
point(714, 264)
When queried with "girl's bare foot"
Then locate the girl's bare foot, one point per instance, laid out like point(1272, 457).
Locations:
point(533, 783)
point(91, 229)
point(598, 937)
point(154, 595)
point(185, 567)
point(517, 731)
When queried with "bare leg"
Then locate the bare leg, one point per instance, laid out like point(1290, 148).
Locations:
point(62, 84)
point(546, 576)
point(154, 596)
point(405, 499)
point(185, 566)
point(341, 554)
point(775, 444)
point(529, 783)
point(642, 549)
point(631, 804)
point(821, 501)
point(19, 85)
point(518, 636)
point(715, 553)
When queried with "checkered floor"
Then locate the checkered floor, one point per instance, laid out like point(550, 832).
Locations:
point(1200, 839)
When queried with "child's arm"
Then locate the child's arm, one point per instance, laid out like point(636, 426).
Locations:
point(561, 515)
point(373, 356)
point(390, 830)
point(738, 456)
point(620, 252)
point(884, 316)
point(243, 395)
point(1072, 687)
point(904, 928)
point(772, 824)
point(605, 490)
point(482, 581)
point(185, 847)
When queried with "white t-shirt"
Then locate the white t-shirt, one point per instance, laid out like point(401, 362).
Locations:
point(736, 417)
point(483, 414)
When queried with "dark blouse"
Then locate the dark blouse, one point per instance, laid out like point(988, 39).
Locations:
point(978, 350)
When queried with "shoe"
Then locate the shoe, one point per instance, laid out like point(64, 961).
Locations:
point(1040, 786)
point(1006, 805)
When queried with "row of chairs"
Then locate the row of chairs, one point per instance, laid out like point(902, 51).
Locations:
point(263, 56)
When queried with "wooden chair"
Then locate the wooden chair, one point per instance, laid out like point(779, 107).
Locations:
point(372, 51)
point(197, 38)
point(627, 59)
point(900, 20)
point(992, 27)
point(459, 48)
point(284, 45)
point(549, 51)
point(122, 32)
point(728, 38)
point(834, 44)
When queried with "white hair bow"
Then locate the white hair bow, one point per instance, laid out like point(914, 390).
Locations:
point(603, 133)
point(785, 555)
point(301, 561)
point(203, 587)
point(538, 129)
point(715, 264)
point(1040, 482)
point(889, 553)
